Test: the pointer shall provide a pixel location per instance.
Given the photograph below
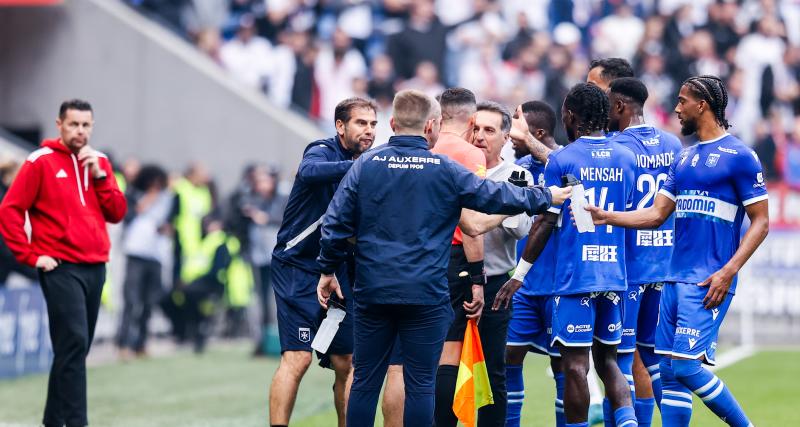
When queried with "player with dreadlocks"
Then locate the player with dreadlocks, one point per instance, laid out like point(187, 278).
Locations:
point(589, 268)
point(710, 187)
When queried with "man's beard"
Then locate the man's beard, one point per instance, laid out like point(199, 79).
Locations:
point(356, 147)
point(688, 127)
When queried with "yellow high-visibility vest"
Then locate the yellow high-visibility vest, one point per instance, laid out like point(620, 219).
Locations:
point(194, 204)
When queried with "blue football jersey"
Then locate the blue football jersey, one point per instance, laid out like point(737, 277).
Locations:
point(648, 252)
point(592, 262)
point(539, 280)
point(711, 183)
point(535, 167)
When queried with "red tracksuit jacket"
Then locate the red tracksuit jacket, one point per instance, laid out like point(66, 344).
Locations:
point(68, 209)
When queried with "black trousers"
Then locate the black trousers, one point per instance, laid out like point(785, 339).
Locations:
point(72, 292)
point(493, 329)
point(202, 297)
point(141, 289)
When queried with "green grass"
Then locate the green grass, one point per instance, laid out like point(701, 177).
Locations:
point(227, 388)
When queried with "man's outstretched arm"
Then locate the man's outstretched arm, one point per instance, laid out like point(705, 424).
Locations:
point(651, 217)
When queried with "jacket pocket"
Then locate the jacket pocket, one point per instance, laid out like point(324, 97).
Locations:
point(86, 233)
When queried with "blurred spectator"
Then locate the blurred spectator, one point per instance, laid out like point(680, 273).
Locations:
point(426, 79)
point(619, 34)
point(755, 53)
point(209, 42)
point(195, 198)
point(248, 57)
point(334, 71)
point(257, 215)
point(789, 155)
point(516, 50)
point(200, 15)
point(423, 38)
point(145, 243)
point(305, 55)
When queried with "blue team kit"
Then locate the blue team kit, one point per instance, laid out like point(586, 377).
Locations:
point(647, 251)
point(295, 272)
point(711, 184)
point(590, 273)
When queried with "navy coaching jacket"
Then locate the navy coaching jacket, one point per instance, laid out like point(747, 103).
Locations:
point(325, 163)
point(402, 203)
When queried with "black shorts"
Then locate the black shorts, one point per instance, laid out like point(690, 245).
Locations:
point(461, 290)
point(299, 312)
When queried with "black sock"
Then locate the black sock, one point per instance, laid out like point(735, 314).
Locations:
point(446, 378)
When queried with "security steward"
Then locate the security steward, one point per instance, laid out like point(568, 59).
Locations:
point(402, 204)
point(69, 192)
point(295, 271)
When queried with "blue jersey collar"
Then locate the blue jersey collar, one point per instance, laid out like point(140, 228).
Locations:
point(593, 139)
point(408, 141)
point(713, 140)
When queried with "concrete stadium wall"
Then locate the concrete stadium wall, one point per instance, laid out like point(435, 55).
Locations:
point(154, 95)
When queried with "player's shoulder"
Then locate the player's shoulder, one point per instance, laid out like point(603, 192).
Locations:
point(321, 145)
point(38, 154)
point(734, 146)
point(623, 151)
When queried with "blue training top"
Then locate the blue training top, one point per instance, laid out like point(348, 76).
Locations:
point(324, 164)
point(402, 204)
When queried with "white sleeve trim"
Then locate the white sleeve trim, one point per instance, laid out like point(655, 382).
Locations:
point(667, 193)
point(554, 209)
point(756, 199)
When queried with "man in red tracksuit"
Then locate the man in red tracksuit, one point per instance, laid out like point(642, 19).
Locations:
point(69, 192)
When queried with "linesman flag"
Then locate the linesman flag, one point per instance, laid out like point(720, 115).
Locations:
point(472, 385)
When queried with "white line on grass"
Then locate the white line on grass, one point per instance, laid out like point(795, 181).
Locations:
point(733, 356)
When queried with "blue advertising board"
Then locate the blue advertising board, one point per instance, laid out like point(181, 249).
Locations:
point(24, 333)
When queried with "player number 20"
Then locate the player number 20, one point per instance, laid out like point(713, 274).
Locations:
point(649, 185)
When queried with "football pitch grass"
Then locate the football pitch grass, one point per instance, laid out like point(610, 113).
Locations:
point(225, 387)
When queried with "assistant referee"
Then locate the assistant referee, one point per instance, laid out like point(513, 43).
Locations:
point(402, 204)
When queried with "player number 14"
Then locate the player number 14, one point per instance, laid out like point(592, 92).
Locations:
point(591, 194)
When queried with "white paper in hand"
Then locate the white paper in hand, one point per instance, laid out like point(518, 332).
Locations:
point(327, 330)
point(583, 219)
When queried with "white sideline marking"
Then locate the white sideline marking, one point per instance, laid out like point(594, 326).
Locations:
point(733, 357)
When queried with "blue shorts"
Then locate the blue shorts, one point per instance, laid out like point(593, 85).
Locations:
point(633, 300)
point(648, 315)
point(580, 319)
point(685, 327)
point(532, 324)
point(299, 312)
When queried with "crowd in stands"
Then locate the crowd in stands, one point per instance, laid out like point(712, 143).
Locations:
point(186, 251)
point(308, 54)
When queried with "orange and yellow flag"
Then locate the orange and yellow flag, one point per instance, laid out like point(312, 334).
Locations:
point(472, 385)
